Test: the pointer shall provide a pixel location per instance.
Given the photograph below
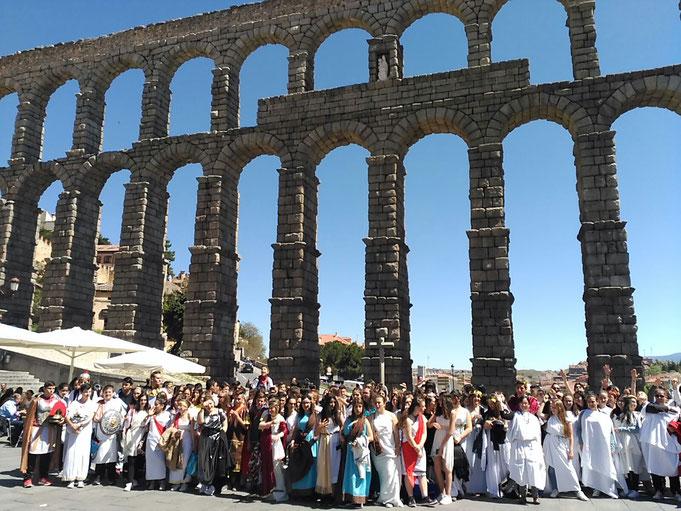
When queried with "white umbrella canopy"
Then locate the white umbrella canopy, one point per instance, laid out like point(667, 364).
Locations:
point(152, 360)
point(75, 342)
point(14, 337)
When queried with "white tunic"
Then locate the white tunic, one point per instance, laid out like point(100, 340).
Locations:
point(598, 466)
point(155, 458)
point(77, 444)
point(386, 462)
point(660, 449)
point(134, 432)
point(178, 476)
point(629, 456)
point(527, 459)
point(107, 452)
point(556, 448)
point(41, 441)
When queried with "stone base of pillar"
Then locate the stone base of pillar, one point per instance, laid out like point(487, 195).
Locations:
point(621, 366)
point(496, 374)
point(208, 337)
point(397, 368)
point(294, 342)
point(121, 317)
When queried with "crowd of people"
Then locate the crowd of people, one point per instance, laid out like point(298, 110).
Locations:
point(393, 447)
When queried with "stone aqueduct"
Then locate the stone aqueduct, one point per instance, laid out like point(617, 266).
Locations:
point(481, 104)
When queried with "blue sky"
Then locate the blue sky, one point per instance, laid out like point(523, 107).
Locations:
point(541, 201)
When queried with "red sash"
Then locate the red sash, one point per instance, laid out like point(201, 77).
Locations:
point(160, 427)
point(409, 454)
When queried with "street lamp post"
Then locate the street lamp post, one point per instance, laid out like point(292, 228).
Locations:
point(7, 291)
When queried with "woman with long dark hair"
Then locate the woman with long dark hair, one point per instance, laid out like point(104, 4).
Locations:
point(442, 449)
point(272, 437)
point(303, 451)
point(356, 437)
point(214, 460)
point(328, 439)
point(412, 425)
point(79, 415)
point(630, 461)
point(526, 466)
point(134, 430)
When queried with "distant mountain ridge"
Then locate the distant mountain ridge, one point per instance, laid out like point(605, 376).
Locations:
point(674, 357)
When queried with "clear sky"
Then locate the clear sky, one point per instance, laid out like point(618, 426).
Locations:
point(541, 201)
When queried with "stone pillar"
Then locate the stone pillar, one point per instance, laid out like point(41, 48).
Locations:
point(386, 58)
point(68, 285)
point(211, 306)
point(155, 107)
point(223, 114)
point(479, 43)
point(28, 132)
point(580, 22)
point(493, 349)
point(135, 310)
point(386, 291)
point(18, 230)
point(300, 72)
point(608, 295)
point(294, 337)
point(89, 123)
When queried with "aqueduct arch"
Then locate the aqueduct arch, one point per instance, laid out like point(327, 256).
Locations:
point(481, 103)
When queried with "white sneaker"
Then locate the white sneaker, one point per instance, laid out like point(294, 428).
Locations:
point(128, 487)
point(71, 485)
point(596, 494)
point(81, 484)
point(97, 481)
point(388, 504)
point(658, 495)
point(581, 496)
point(554, 494)
point(445, 500)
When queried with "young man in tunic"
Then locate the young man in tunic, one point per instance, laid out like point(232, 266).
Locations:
point(107, 452)
point(41, 436)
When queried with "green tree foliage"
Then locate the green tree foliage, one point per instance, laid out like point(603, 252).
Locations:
point(250, 339)
point(344, 359)
point(661, 366)
point(103, 240)
point(169, 257)
point(173, 318)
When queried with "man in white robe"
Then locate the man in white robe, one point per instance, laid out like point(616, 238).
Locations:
point(660, 449)
point(597, 440)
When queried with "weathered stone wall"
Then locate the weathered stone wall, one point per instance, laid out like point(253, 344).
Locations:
point(482, 104)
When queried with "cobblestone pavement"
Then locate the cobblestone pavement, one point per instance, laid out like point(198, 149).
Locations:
point(102, 498)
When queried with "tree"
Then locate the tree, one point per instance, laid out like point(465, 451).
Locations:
point(250, 339)
point(169, 257)
point(173, 318)
point(103, 240)
point(344, 359)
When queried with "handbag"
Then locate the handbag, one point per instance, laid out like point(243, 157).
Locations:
point(192, 465)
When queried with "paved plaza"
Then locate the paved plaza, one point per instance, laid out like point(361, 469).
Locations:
point(104, 498)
